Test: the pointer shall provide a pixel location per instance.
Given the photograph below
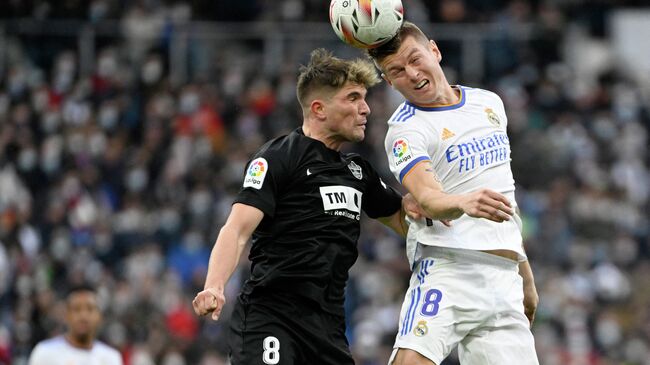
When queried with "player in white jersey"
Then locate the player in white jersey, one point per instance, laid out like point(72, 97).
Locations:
point(78, 346)
point(472, 286)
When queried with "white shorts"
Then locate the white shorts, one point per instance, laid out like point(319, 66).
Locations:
point(469, 299)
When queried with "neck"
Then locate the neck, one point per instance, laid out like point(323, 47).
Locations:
point(321, 135)
point(449, 95)
point(82, 343)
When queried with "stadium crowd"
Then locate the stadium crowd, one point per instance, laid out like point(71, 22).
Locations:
point(122, 178)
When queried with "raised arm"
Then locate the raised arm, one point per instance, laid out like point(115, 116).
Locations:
point(239, 227)
point(427, 190)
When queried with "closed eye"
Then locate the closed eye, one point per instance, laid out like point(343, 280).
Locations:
point(396, 72)
point(353, 96)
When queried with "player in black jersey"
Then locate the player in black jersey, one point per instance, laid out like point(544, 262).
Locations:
point(301, 201)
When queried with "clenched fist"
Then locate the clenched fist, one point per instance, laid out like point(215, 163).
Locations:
point(210, 300)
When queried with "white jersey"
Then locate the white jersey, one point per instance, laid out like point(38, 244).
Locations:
point(469, 149)
point(58, 351)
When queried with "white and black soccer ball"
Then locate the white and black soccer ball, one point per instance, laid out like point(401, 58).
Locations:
point(366, 23)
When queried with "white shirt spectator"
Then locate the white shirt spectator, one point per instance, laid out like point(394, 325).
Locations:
point(58, 351)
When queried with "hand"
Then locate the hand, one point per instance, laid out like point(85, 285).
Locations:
point(210, 300)
point(531, 299)
point(487, 204)
point(411, 207)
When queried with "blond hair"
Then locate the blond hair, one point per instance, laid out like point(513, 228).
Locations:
point(325, 74)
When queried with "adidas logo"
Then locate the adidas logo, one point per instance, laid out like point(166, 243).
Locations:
point(446, 134)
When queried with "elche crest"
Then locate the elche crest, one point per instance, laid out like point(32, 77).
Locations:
point(356, 170)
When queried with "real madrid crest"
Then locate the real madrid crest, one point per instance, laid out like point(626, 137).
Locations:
point(492, 117)
point(356, 170)
point(421, 329)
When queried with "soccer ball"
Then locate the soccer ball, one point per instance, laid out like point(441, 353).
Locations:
point(366, 23)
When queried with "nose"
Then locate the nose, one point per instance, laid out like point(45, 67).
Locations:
point(412, 72)
point(364, 108)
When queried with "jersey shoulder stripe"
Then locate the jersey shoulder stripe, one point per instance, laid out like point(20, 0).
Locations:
point(399, 112)
point(403, 113)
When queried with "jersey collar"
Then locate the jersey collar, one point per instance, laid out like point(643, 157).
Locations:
point(441, 108)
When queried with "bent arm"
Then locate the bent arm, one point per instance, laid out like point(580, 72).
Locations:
point(239, 227)
point(422, 182)
point(397, 221)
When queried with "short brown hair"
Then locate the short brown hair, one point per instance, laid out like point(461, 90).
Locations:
point(325, 71)
point(407, 29)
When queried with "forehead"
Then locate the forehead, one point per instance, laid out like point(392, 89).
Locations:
point(350, 88)
point(82, 297)
point(408, 47)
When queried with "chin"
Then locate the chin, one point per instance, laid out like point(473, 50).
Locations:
point(84, 336)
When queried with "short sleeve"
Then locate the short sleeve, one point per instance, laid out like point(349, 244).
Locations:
point(380, 200)
point(405, 148)
point(264, 176)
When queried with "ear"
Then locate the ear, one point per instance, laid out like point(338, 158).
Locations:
point(317, 109)
point(383, 76)
point(436, 51)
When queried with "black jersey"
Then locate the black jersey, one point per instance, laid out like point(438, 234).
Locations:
point(312, 198)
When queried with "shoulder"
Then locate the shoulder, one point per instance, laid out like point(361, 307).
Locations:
point(52, 344)
point(278, 145)
point(109, 351)
point(403, 113)
point(482, 94)
point(102, 346)
point(285, 147)
point(46, 350)
point(406, 120)
point(413, 128)
point(276, 153)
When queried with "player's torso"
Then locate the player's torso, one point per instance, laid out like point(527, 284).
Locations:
point(323, 192)
point(470, 148)
point(309, 244)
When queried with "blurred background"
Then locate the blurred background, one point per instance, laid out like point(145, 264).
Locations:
point(125, 127)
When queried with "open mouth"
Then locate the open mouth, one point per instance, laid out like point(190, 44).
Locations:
point(421, 84)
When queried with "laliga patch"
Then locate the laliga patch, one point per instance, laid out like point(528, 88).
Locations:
point(256, 173)
point(401, 152)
